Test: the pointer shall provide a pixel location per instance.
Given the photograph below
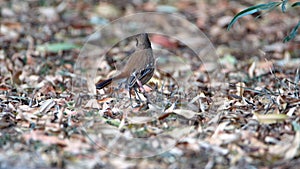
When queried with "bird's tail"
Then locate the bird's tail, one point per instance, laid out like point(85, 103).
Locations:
point(103, 83)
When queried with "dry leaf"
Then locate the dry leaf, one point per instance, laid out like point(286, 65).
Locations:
point(46, 106)
point(139, 120)
point(106, 100)
point(269, 118)
point(185, 113)
point(92, 104)
point(251, 69)
point(240, 87)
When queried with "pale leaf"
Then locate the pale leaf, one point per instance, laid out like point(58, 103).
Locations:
point(269, 118)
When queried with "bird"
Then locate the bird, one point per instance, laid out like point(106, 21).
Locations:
point(139, 68)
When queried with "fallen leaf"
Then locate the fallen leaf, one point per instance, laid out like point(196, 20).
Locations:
point(164, 41)
point(269, 118)
point(240, 88)
point(139, 120)
point(251, 69)
point(293, 149)
point(185, 113)
point(46, 106)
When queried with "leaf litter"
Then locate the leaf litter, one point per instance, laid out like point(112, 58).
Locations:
point(251, 121)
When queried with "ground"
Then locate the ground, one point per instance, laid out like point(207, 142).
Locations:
point(221, 99)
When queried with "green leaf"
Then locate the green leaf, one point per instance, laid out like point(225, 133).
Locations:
point(56, 47)
point(296, 4)
point(252, 10)
point(296, 126)
point(292, 34)
point(283, 5)
point(270, 9)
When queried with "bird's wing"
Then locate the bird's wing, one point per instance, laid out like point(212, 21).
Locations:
point(143, 76)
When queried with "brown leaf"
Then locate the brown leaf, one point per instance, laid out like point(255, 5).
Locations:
point(164, 41)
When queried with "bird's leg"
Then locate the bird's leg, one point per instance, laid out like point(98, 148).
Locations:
point(143, 90)
point(130, 86)
point(130, 97)
point(134, 82)
point(136, 93)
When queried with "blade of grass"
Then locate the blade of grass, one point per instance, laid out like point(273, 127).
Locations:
point(296, 4)
point(292, 33)
point(283, 5)
point(252, 10)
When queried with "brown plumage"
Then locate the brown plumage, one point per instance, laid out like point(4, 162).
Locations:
point(139, 67)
